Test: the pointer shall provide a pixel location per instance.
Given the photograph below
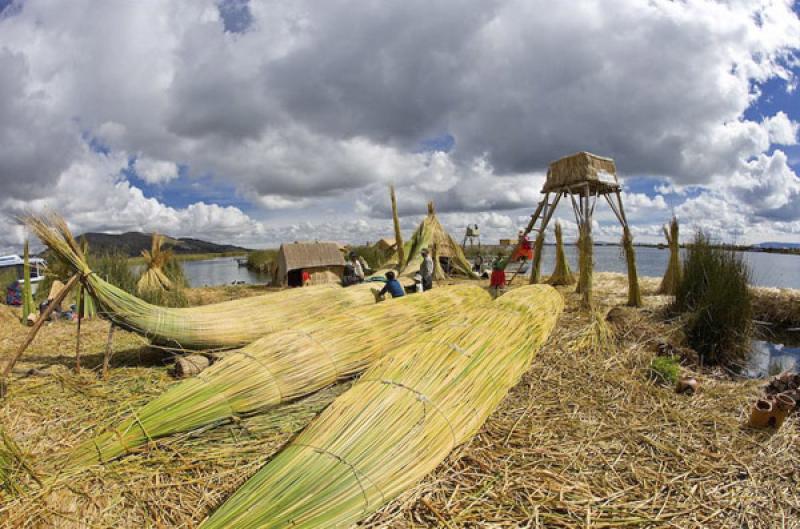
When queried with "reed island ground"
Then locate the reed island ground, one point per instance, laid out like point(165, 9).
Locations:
point(586, 439)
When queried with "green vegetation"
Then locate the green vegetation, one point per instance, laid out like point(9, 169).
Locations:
point(260, 260)
point(665, 369)
point(714, 293)
point(371, 254)
point(7, 276)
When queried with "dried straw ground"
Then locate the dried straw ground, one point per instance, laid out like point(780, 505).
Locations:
point(585, 440)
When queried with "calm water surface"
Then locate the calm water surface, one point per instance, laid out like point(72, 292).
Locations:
point(220, 271)
point(769, 269)
point(769, 358)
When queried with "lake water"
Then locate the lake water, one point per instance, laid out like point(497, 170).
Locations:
point(769, 269)
point(769, 358)
point(220, 271)
point(772, 270)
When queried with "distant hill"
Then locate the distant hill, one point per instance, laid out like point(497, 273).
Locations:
point(795, 245)
point(132, 244)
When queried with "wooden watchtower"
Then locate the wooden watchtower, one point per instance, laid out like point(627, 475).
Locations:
point(583, 177)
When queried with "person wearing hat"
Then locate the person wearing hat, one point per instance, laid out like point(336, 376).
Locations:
point(497, 283)
point(392, 286)
point(426, 270)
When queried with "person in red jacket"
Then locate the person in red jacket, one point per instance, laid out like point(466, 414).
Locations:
point(523, 251)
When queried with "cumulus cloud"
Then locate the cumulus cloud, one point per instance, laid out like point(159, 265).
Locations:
point(293, 105)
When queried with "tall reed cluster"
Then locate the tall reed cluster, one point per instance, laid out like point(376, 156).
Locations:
point(28, 307)
point(585, 265)
point(562, 275)
point(634, 292)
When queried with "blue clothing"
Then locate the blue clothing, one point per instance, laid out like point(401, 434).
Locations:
point(393, 287)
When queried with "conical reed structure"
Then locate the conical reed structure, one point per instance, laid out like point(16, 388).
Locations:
point(585, 265)
point(562, 275)
point(218, 326)
point(402, 418)
point(281, 367)
point(672, 277)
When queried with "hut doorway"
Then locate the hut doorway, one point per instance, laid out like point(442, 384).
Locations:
point(294, 278)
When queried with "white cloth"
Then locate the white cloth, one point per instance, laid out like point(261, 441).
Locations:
point(358, 270)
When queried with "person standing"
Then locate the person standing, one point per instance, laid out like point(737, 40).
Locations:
point(426, 270)
point(497, 282)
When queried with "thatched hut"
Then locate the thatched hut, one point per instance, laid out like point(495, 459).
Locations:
point(387, 246)
point(323, 261)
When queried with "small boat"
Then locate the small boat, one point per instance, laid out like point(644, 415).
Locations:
point(38, 266)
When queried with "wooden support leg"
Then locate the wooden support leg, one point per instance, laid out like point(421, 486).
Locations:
point(34, 330)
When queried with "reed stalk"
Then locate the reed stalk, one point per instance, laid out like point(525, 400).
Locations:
point(562, 275)
point(672, 277)
point(585, 265)
point(218, 326)
point(402, 418)
point(398, 235)
point(282, 367)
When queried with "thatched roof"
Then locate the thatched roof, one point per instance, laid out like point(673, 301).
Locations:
point(386, 244)
point(309, 255)
point(581, 167)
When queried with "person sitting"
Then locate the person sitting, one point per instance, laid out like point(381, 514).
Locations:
point(349, 277)
point(392, 286)
point(358, 268)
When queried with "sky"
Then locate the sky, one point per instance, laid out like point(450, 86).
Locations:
point(256, 122)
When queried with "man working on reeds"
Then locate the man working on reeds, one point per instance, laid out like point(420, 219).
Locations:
point(392, 286)
point(426, 270)
point(358, 270)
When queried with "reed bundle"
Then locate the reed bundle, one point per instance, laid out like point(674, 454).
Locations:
point(538, 247)
point(399, 421)
point(672, 277)
point(585, 265)
point(154, 278)
point(562, 275)
point(634, 292)
point(218, 326)
point(281, 367)
point(398, 235)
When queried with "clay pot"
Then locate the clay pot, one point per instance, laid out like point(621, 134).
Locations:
point(686, 385)
point(761, 415)
point(782, 406)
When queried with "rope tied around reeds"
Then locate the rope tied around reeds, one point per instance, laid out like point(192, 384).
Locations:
point(353, 469)
point(322, 346)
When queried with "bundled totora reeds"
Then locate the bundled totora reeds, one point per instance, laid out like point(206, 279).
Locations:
point(672, 277)
point(399, 421)
point(218, 326)
point(562, 275)
point(281, 367)
point(154, 278)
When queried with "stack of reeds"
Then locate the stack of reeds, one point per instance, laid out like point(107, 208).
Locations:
point(218, 326)
point(538, 247)
point(672, 277)
point(562, 275)
point(399, 421)
point(155, 260)
point(282, 367)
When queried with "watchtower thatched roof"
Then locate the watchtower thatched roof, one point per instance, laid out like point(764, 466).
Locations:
point(582, 168)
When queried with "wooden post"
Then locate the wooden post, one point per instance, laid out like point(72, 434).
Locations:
point(35, 329)
point(398, 235)
point(81, 295)
point(107, 355)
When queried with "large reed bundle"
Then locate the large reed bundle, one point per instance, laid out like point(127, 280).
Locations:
point(672, 277)
point(634, 292)
point(399, 421)
point(283, 366)
point(585, 264)
point(28, 307)
point(562, 275)
point(218, 326)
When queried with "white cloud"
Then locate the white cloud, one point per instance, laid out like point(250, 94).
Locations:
point(308, 108)
point(156, 171)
